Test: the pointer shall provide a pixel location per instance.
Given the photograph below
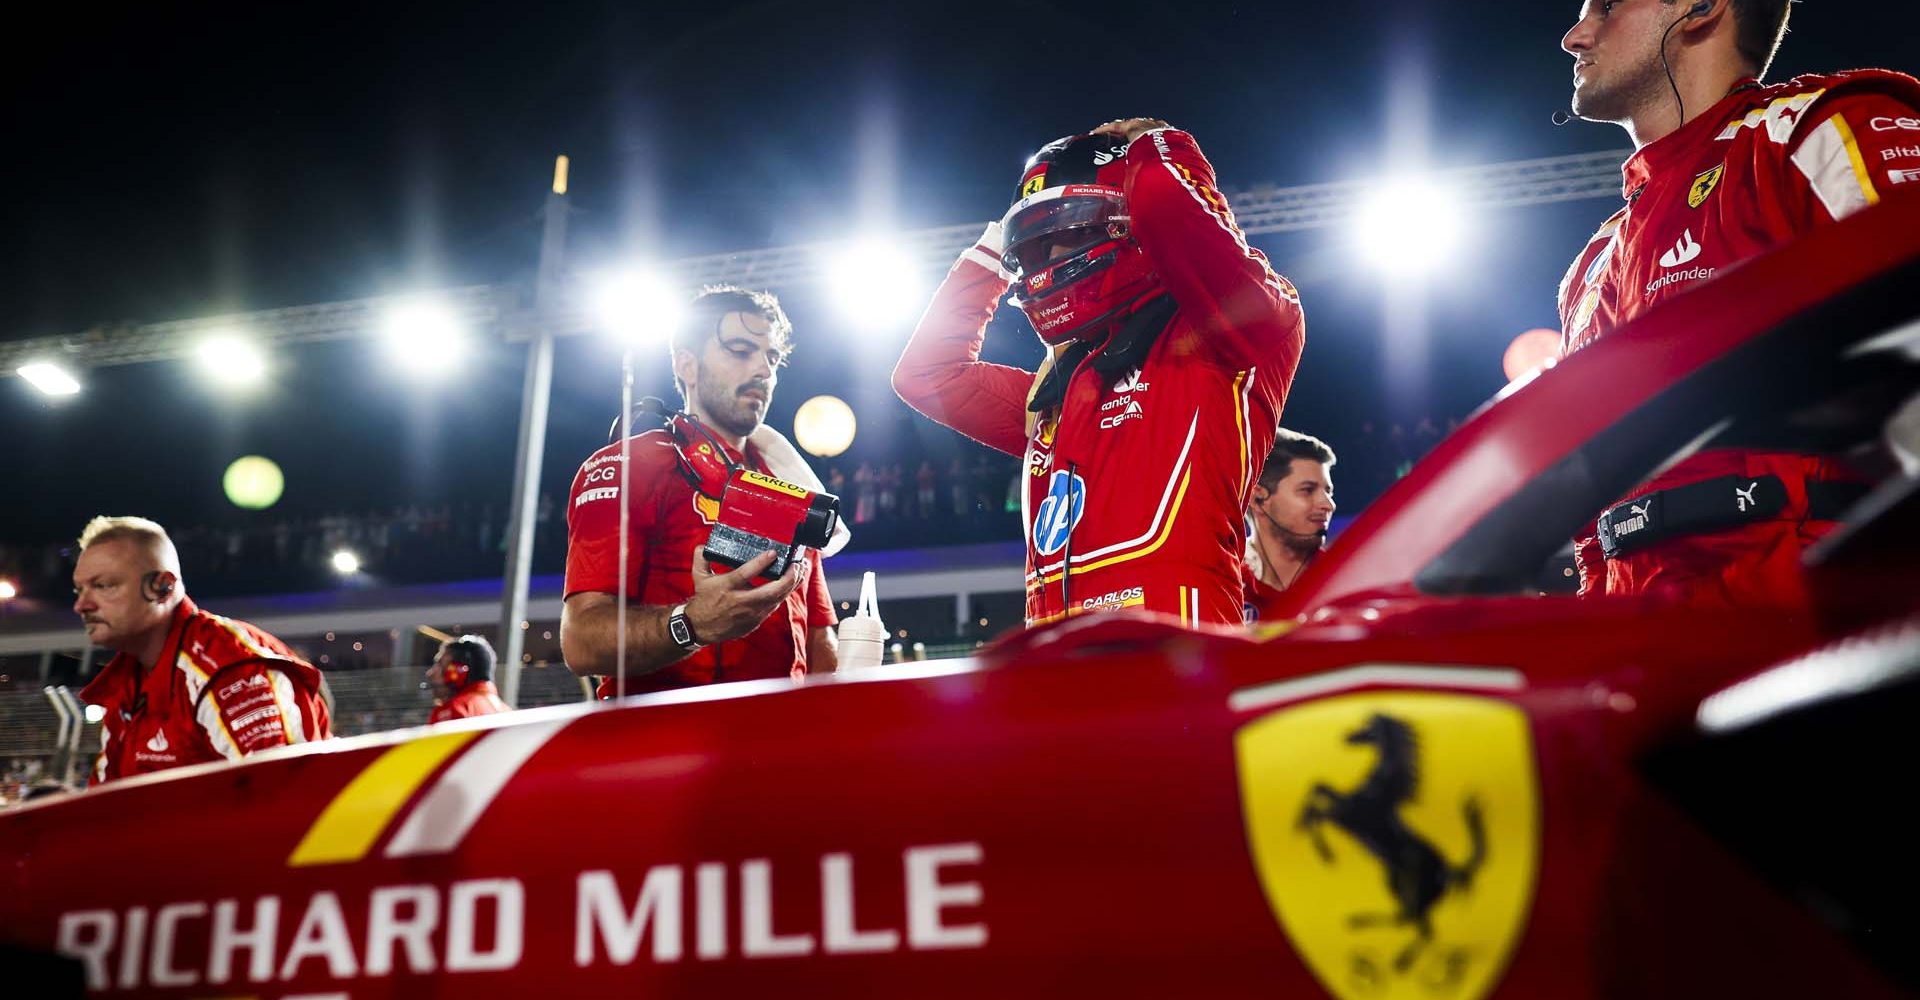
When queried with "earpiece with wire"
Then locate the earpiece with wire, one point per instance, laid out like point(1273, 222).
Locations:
point(1701, 9)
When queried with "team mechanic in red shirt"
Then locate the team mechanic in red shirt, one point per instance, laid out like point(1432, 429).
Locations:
point(185, 686)
point(462, 680)
point(1171, 345)
point(692, 626)
point(1726, 168)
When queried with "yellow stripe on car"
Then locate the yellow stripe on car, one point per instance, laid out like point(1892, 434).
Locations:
point(354, 820)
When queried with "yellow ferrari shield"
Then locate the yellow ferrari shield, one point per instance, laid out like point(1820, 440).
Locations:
point(1396, 835)
point(1703, 186)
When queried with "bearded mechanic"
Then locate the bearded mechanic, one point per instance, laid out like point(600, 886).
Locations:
point(688, 625)
point(185, 686)
point(1726, 168)
point(1171, 345)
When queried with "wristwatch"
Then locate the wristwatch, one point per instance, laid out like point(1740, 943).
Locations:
point(680, 630)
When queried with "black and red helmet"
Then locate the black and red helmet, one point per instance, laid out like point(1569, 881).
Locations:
point(1069, 238)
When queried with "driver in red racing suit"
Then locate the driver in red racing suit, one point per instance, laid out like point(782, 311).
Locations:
point(1756, 167)
point(1172, 344)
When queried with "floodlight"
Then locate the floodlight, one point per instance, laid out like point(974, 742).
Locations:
point(1409, 226)
point(49, 378)
point(345, 563)
point(637, 307)
point(8, 591)
point(877, 287)
point(232, 360)
point(424, 335)
point(824, 426)
point(95, 713)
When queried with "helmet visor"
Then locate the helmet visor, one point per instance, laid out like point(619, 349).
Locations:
point(1061, 222)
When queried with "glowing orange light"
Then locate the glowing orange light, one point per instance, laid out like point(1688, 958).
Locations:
point(1530, 350)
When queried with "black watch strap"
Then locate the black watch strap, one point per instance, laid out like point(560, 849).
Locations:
point(680, 630)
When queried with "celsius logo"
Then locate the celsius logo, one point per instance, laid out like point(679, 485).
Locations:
point(1683, 252)
point(1059, 512)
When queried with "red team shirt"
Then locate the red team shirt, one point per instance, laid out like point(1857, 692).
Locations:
point(1143, 480)
point(1766, 164)
point(222, 689)
point(668, 523)
point(478, 698)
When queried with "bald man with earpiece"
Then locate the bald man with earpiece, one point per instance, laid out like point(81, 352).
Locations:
point(185, 686)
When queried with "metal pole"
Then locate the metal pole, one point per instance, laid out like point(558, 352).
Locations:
point(79, 729)
point(66, 721)
point(532, 446)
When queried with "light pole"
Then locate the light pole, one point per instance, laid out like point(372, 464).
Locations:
point(531, 450)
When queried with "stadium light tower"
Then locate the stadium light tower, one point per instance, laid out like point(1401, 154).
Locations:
point(345, 563)
point(49, 378)
point(231, 360)
point(637, 307)
point(876, 286)
point(1409, 227)
point(423, 335)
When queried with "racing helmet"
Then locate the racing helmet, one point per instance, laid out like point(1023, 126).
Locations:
point(1069, 239)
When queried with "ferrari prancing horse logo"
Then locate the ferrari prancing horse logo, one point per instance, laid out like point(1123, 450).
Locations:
point(1703, 186)
point(1396, 835)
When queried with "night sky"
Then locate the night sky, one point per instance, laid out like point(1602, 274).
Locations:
point(168, 161)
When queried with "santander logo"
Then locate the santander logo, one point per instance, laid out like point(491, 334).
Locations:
point(1683, 252)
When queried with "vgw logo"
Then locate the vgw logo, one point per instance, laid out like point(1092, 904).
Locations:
point(1396, 836)
point(1059, 512)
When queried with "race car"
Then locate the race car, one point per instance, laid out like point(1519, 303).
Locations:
point(1429, 780)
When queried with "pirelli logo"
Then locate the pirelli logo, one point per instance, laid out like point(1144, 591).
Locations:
point(461, 772)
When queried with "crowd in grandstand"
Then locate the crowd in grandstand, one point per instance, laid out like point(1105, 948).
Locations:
point(898, 503)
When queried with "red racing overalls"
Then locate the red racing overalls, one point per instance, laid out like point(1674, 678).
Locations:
point(1766, 164)
point(1137, 482)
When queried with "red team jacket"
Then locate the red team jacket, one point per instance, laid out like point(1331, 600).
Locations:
point(1763, 166)
point(478, 698)
point(1143, 480)
point(221, 690)
point(668, 522)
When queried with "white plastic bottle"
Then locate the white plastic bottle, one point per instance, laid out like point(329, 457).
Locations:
point(863, 636)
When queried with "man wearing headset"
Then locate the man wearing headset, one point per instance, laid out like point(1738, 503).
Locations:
point(185, 686)
point(1727, 168)
point(689, 625)
point(1288, 518)
point(462, 680)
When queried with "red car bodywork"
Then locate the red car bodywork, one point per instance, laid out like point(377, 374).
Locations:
point(1112, 806)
